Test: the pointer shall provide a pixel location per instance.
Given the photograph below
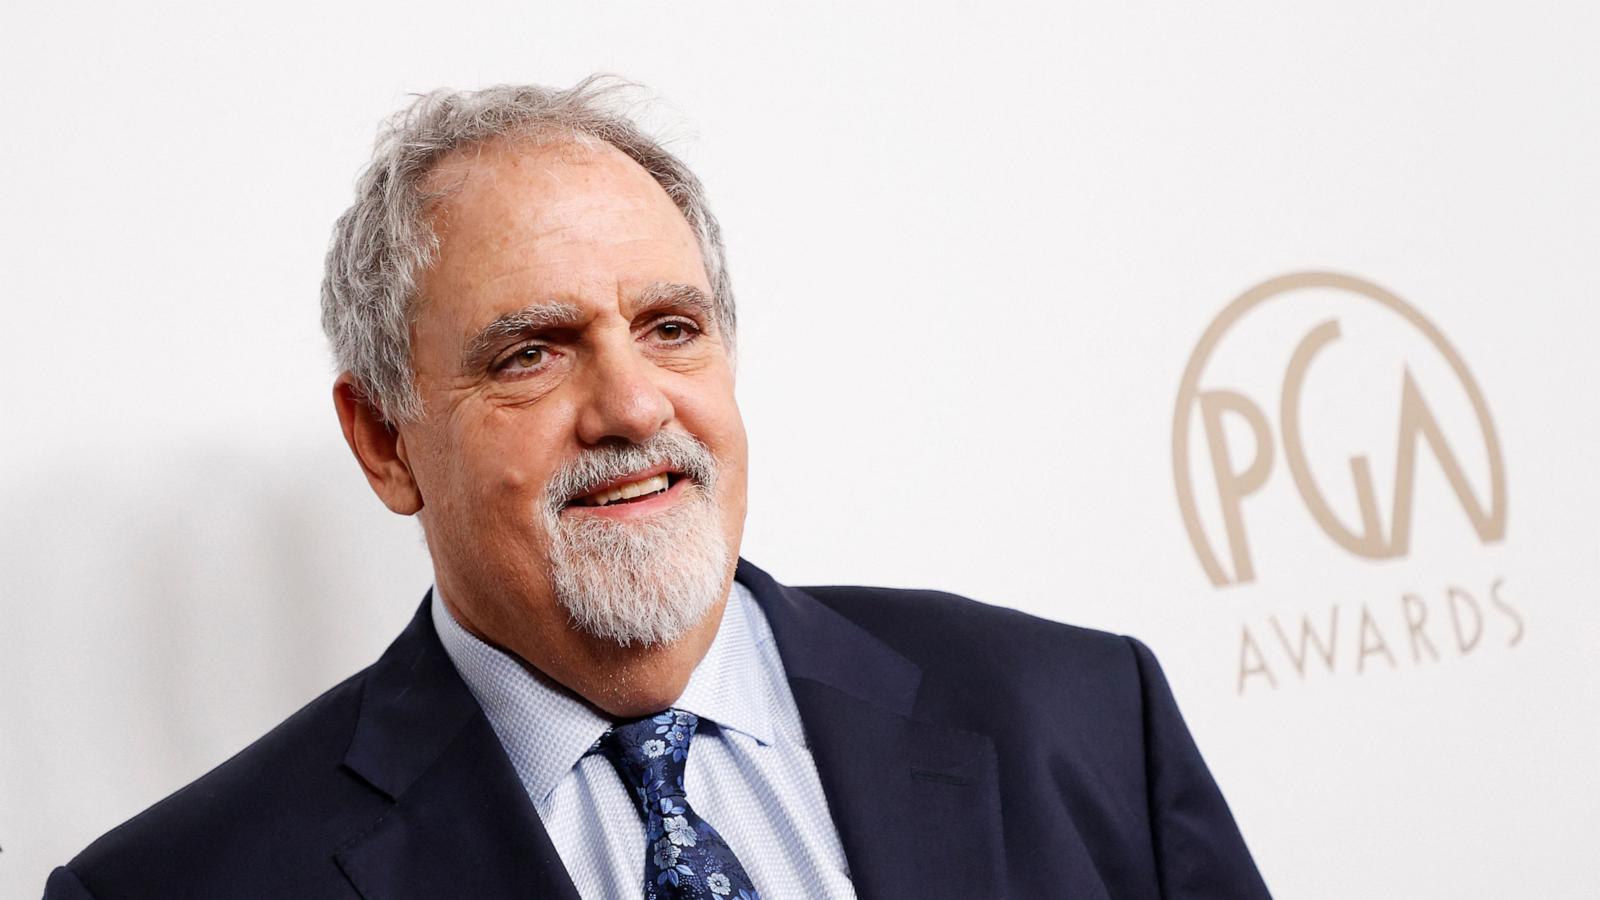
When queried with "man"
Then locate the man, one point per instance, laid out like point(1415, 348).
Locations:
point(530, 307)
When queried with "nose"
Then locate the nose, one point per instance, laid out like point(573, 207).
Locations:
point(622, 399)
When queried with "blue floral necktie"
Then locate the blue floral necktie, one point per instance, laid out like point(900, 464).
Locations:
point(684, 855)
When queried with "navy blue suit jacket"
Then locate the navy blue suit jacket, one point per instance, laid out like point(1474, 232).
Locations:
point(965, 751)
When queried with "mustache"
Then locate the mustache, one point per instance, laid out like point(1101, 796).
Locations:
point(608, 462)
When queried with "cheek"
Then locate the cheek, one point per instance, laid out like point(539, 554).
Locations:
point(705, 405)
point(510, 476)
point(733, 436)
point(719, 426)
point(716, 422)
point(502, 467)
point(735, 455)
point(732, 486)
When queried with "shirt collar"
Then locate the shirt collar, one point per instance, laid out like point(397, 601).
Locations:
point(728, 686)
point(546, 729)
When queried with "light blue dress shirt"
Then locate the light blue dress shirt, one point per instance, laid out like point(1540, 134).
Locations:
point(749, 772)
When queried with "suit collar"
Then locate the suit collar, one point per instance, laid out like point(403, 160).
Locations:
point(461, 824)
point(888, 774)
point(414, 704)
point(822, 646)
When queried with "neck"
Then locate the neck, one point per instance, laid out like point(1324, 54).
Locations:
point(622, 682)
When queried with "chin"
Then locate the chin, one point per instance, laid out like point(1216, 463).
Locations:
point(645, 582)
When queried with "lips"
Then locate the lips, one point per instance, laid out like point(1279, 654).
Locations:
point(629, 488)
point(627, 491)
point(614, 480)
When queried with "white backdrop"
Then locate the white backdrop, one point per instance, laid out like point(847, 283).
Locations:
point(975, 253)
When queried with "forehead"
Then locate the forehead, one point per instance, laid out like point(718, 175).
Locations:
point(524, 221)
point(504, 194)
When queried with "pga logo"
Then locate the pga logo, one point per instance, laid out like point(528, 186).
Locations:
point(1359, 375)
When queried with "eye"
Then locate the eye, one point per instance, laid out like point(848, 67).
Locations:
point(526, 358)
point(674, 331)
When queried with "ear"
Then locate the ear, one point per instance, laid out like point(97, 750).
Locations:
point(377, 446)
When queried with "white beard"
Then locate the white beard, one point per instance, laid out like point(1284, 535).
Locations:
point(646, 580)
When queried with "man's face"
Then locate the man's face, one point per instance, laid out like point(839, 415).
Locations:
point(564, 342)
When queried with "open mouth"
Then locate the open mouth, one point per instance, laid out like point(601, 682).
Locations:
point(633, 491)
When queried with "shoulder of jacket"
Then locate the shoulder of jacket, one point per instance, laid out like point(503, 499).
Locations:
point(1033, 684)
point(938, 628)
point(292, 770)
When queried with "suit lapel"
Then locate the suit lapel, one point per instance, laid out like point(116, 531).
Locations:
point(917, 803)
point(461, 824)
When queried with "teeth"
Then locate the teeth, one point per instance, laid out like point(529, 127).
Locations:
point(628, 491)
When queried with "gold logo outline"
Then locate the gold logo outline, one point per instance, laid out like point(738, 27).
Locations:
point(1189, 397)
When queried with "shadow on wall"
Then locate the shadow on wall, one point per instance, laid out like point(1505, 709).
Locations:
point(162, 610)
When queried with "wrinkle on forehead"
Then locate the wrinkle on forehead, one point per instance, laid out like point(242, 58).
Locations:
point(548, 151)
point(535, 187)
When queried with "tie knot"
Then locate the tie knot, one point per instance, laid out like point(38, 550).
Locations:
point(649, 753)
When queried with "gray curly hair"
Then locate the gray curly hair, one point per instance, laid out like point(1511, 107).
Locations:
point(383, 241)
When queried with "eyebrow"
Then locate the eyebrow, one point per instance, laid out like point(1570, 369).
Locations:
point(662, 295)
point(515, 324)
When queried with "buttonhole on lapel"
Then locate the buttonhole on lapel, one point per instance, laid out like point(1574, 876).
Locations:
point(941, 777)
